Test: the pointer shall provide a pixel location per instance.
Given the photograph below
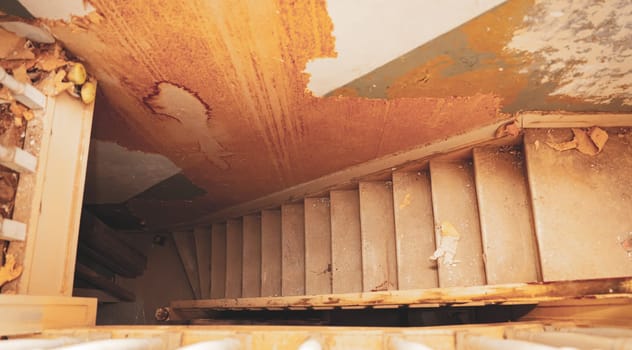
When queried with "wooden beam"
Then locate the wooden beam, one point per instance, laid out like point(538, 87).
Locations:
point(17, 159)
point(549, 120)
point(506, 293)
point(26, 314)
point(105, 284)
point(11, 230)
point(49, 201)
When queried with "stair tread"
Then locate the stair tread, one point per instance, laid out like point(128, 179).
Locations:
point(185, 244)
point(293, 249)
point(377, 226)
point(346, 243)
point(581, 205)
point(317, 246)
point(218, 260)
point(202, 236)
point(234, 244)
point(414, 230)
point(505, 214)
point(454, 204)
point(251, 278)
point(271, 253)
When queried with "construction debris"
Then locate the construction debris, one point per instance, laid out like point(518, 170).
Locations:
point(9, 271)
point(448, 242)
point(587, 141)
point(509, 129)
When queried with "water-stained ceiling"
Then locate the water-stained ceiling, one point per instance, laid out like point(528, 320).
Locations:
point(250, 97)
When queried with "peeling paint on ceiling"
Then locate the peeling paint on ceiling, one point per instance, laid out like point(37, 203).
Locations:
point(585, 44)
point(376, 31)
point(220, 87)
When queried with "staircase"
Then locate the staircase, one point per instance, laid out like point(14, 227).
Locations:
point(495, 214)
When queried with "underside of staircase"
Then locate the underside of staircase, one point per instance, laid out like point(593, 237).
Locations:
point(533, 210)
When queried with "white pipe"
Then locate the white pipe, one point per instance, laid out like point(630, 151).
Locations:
point(311, 344)
point(24, 93)
point(578, 340)
point(400, 344)
point(119, 344)
point(602, 331)
point(224, 344)
point(31, 344)
point(487, 343)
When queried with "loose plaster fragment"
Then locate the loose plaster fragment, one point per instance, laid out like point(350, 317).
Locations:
point(52, 60)
point(509, 129)
point(5, 95)
point(54, 84)
point(587, 142)
point(20, 74)
point(9, 271)
point(448, 242)
point(13, 47)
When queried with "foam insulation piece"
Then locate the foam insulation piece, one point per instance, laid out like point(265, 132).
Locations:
point(29, 31)
point(371, 33)
point(63, 10)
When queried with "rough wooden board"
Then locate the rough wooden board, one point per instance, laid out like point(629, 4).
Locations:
point(52, 212)
point(573, 120)
point(454, 201)
point(218, 260)
point(251, 277)
point(346, 242)
point(527, 293)
point(610, 312)
point(271, 253)
point(293, 249)
point(103, 283)
point(317, 246)
point(202, 236)
point(581, 205)
point(377, 226)
point(234, 246)
point(509, 243)
point(414, 230)
point(27, 314)
point(185, 244)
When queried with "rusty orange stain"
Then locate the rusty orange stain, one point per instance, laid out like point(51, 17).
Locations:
point(247, 59)
point(499, 74)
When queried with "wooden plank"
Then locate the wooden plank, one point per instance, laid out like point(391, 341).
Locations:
point(270, 253)
point(349, 175)
point(414, 230)
point(27, 314)
point(504, 207)
point(218, 260)
point(317, 246)
point(49, 202)
point(11, 230)
point(251, 276)
point(17, 159)
point(88, 275)
point(574, 120)
point(523, 293)
point(454, 205)
point(202, 237)
point(377, 226)
point(185, 244)
point(607, 312)
point(581, 205)
point(346, 242)
point(292, 249)
point(100, 295)
point(234, 245)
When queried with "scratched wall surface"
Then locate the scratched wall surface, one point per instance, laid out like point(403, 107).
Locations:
point(219, 87)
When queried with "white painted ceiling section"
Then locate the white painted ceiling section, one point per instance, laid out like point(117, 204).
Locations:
point(371, 33)
point(57, 9)
point(116, 174)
